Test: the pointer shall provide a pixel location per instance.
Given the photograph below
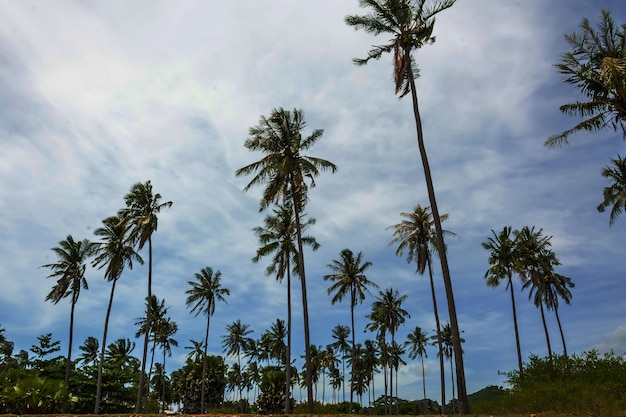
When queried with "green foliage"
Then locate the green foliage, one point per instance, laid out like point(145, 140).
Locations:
point(589, 384)
point(27, 392)
point(272, 397)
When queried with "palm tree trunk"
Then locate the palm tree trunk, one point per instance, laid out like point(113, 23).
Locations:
point(439, 340)
point(545, 329)
point(456, 340)
point(104, 341)
point(68, 362)
point(204, 359)
point(517, 343)
point(305, 309)
point(558, 320)
point(424, 384)
point(142, 376)
point(352, 303)
point(287, 408)
point(452, 379)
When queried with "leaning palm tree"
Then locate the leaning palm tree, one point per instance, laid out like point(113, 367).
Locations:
point(69, 272)
point(417, 341)
point(116, 252)
point(416, 234)
point(349, 279)
point(141, 214)
point(277, 237)
point(504, 261)
point(596, 65)
point(284, 170)
point(410, 24)
point(201, 297)
point(615, 194)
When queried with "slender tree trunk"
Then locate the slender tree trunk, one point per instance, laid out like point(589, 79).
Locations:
point(439, 340)
point(424, 384)
point(452, 379)
point(305, 308)
point(391, 378)
point(204, 359)
point(287, 408)
point(150, 368)
point(353, 355)
point(142, 375)
point(68, 362)
point(104, 341)
point(545, 329)
point(517, 342)
point(456, 340)
point(558, 320)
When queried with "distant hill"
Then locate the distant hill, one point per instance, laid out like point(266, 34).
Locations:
point(487, 393)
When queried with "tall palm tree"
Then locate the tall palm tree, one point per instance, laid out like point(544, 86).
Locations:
point(416, 234)
point(116, 252)
point(349, 279)
point(411, 24)
point(341, 334)
point(141, 214)
point(235, 341)
point(283, 170)
point(69, 271)
point(201, 297)
point(90, 348)
point(277, 237)
point(596, 65)
point(417, 341)
point(615, 194)
point(504, 261)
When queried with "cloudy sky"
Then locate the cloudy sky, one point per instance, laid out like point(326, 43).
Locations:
point(97, 96)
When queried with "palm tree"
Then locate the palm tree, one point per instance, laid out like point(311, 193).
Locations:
point(164, 337)
point(202, 296)
point(90, 349)
point(349, 279)
point(141, 214)
point(115, 251)
point(236, 340)
point(196, 350)
point(416, 342)
point(504, 261)
point(158, 316)
point(416, 234)
point(596, 65)
point(119, 351)
point(411, 24)
point(277, 237)
point(340, 334)
point(615, 194)
point(69, 271)
point(371, 360)
point(284, 170)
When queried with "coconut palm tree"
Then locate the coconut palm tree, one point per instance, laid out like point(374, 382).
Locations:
point(410, 23)
point(340, 345)
point(69, 271)
point(158, 316)
point(277, 237)
point(417, 341)
point(141, 214)
point(284, 170)
point(119, 351)
point(416, 234)
point(349, 279)
point(596, 65)
point(90, 348)
point(614, 194)
point(164, 337)
point(235, 342)
point(116, 252)
point(201, 297)
point(504, 261)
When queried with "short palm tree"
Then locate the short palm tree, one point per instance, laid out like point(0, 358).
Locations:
point(69, 272)
point(116, 252)
point(141, 214)
point(277, 237)
point(165, 339)
point(284, 170)
point(119, 351)
point(505, 260)
point(349, 279)
point(596, 65)
point(410, 23)
point(615, 194)
point(341, 334)
point(201, 297)
point(417, 341)
point(236, 340)
point(90, 349)
point(416, 235)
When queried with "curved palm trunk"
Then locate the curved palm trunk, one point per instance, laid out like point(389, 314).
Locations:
point(456, 340)
point(545, 329)
point(305, 309)
point(558, 320)
point(287, 408)
point(439, 340)
point(104, 341)
point(142, 376)
point(517, 343)
point(206, 344)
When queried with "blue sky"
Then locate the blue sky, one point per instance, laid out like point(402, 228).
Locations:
point(97, 96)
